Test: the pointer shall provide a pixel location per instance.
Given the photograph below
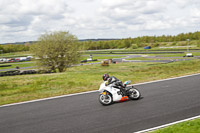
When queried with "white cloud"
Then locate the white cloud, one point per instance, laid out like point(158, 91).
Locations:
point(24, 20)
point(143, 14)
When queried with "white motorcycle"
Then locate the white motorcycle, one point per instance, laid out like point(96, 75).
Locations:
point(109, 93)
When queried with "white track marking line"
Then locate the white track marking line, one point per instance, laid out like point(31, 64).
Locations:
point(49, 98)
point(166, 125)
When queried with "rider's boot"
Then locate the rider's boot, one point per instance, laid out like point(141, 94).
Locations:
point(123, 92)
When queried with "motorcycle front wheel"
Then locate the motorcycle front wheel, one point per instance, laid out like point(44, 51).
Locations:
point(134, 94)
point(105, 99)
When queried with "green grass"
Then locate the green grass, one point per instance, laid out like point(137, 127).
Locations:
point(85, 78)
point(172, 55)
point(102, 57)
point(184, 127)
point(15, 54)
point(160, 57)
point(19, 64)
point(140, 58)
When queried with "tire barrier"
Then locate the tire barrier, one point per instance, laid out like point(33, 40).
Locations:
point(17, 72)
point(5, 65)
point(23, 72)
point(84, 61)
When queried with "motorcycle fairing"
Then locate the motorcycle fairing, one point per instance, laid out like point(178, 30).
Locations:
point(125, 98)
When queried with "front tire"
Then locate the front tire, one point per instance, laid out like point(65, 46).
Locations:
point(134, 94)
point(105, 99)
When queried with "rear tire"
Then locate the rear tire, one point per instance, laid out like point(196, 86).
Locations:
point(134, 94)
point(105, 101)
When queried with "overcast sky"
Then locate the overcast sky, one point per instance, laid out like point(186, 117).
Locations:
point(26, 20)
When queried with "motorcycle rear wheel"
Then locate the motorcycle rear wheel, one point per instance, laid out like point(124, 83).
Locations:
point(105, 99)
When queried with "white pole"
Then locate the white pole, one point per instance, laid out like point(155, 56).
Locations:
point(188, 45)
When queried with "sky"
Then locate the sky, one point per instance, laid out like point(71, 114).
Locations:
point(27, 20)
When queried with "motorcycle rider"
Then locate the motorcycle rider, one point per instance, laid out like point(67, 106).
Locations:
point(116, 82)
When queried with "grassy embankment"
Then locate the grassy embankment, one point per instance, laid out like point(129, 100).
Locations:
point(184, 127)
point(85, 78)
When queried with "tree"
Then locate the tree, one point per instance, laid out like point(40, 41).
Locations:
point(56, 50)
point(127, 43)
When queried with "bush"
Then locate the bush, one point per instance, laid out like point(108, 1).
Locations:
point(156, 45)
point(173, 44)
point(198, 43)
point(183, 43)
point(134, 46)
point(163, 44)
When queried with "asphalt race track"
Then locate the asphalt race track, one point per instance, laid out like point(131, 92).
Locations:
point(163, 102)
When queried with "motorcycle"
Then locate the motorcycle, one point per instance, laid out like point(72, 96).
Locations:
point(109, 93)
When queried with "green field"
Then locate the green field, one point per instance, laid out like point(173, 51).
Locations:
point(85, 78)
point(140, 58)
point(184, 127)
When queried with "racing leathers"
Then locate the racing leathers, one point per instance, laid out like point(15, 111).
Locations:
point(117, 84)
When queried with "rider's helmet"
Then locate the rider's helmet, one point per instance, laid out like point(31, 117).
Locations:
point(105, 77)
